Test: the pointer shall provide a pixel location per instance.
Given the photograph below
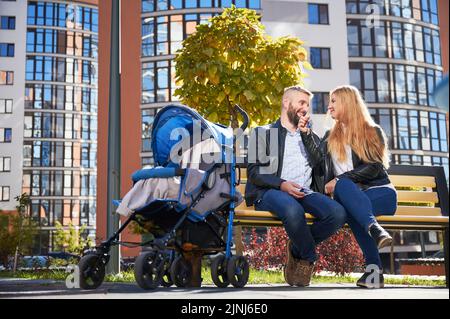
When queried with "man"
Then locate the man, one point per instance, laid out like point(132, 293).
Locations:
point(289, 182)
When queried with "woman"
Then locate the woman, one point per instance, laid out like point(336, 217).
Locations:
point(355, 159)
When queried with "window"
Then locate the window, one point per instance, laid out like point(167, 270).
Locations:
point(429, 11)
point(5, 135)
point(6, 49)
point(5, 164)
point(353, 40)
point(147, 162)
point(318, 13)
point(7, 23)
point(157, 82)
point(148, 5)
point(424, 10)
point(66, 15)
point(4, 193)
point(254, 4)
point(320, 58)
point(163, 35)
point(58, 69)
point(405, 41)
point(147, 121)
point(6, 77)
point(6, 106)
point(400, 8)
point(320, 102)
point(389, 83)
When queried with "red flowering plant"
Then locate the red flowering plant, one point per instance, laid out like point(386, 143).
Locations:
point(266, 249)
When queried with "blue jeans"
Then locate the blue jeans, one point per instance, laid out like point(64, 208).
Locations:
point(362, 207)
point(330, 216)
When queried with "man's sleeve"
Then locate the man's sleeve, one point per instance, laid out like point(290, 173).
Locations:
point(255, 166)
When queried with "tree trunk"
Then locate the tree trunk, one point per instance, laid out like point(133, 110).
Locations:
point(16, 253)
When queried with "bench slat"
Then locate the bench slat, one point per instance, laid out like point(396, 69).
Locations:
point(414, 196)
point(413, 181)
point(266, 217)
point(397, 180)
point(418, 211)
point(403, 196)
point(401, 210)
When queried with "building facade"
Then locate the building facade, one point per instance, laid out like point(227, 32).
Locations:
point(56, 108)
point(395, 59)
point(391, 50)
point(12, 86)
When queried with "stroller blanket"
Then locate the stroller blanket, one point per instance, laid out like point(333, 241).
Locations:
point(176, 188)
point(182, 190)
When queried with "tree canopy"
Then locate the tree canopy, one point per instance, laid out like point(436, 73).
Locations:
point(231, 61)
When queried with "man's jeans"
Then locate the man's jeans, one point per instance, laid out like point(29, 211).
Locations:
point(362, 207)
point(330, 216)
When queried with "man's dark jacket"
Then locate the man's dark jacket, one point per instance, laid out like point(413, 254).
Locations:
point(257, 183)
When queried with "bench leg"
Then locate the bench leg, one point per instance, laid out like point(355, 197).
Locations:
point(446, 253)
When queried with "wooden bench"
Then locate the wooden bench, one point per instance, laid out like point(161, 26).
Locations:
point(422, 204)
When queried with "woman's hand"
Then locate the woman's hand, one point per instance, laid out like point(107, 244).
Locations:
point(329, 187)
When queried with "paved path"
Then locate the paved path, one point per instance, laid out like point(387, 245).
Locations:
point(45, 289)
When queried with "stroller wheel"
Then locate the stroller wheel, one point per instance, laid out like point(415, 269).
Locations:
point(219, 271)
point(147, 270)
point(92, 271)
point(180, 272)
point(238, 271)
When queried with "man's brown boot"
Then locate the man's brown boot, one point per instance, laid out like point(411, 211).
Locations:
point(291, 265)
point(303, 273)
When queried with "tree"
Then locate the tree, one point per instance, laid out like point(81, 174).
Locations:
point(17, 232)
point(72, 239)
point(231, 61)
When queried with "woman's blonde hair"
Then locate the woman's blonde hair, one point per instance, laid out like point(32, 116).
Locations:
point(360, 131)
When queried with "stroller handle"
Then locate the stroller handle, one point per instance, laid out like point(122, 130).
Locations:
point(244, 115)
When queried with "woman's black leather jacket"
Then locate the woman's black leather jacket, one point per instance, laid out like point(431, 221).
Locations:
point(364, 174)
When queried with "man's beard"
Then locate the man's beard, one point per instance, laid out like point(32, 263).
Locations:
point(293, 116)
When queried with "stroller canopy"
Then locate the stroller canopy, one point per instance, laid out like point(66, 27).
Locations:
point(171, 120)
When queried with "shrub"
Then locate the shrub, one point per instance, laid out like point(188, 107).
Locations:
point(71, 239)
point(339, 254)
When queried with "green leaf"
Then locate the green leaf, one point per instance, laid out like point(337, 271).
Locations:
point(249, 95)
point(208, 51)
point(221, 97)
point(307, 65)
point(213, 117)
point(212, 70)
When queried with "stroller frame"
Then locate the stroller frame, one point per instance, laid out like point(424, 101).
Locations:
point(159, 266)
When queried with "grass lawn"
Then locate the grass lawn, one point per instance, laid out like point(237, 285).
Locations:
point(256, 277)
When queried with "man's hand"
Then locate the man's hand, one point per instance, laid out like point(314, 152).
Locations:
point(292, 189)
point(329, 187)
point(303, 123)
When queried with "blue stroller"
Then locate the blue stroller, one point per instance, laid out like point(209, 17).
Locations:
point(198, 219)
